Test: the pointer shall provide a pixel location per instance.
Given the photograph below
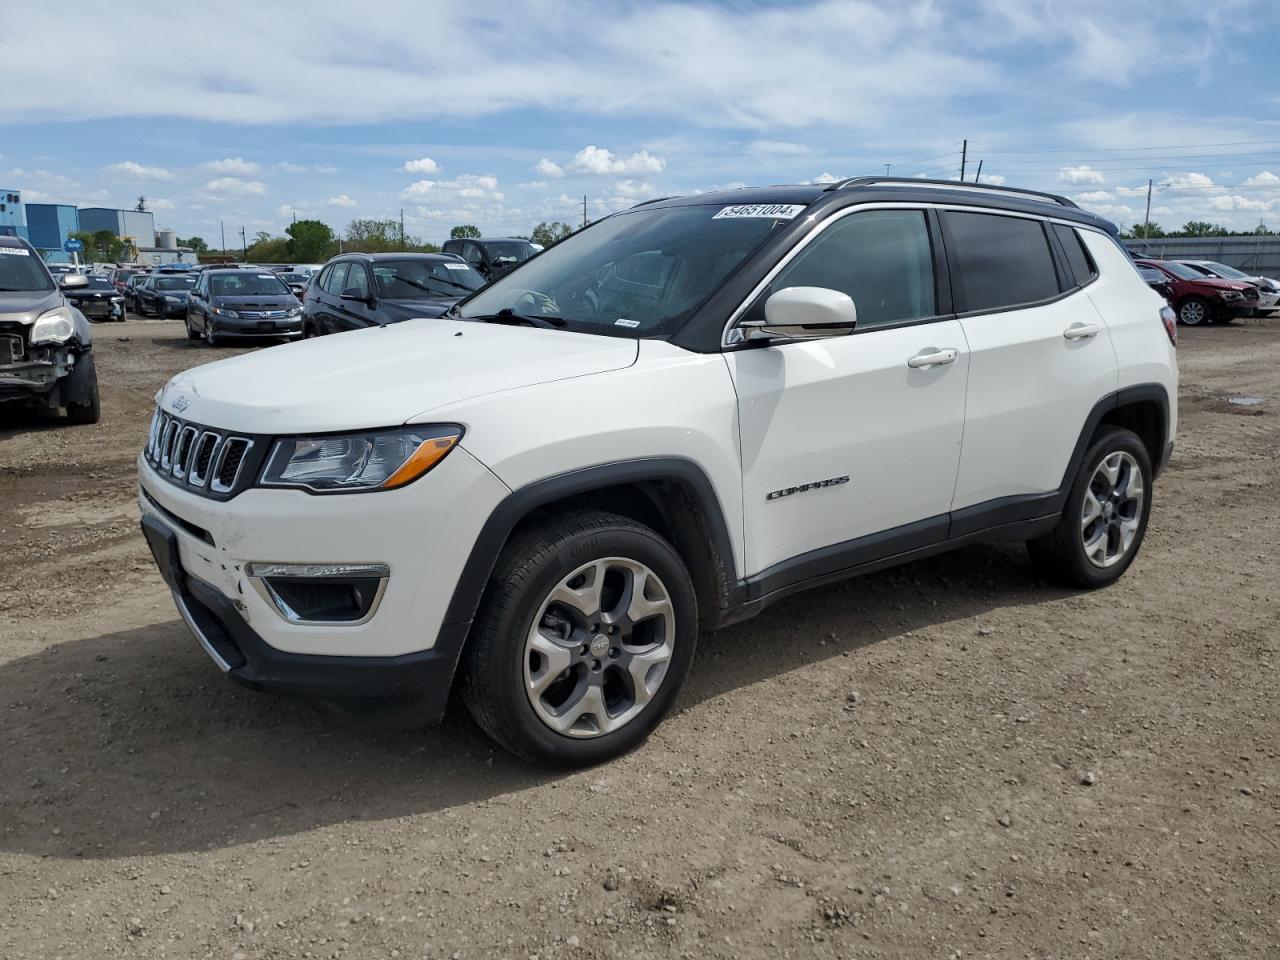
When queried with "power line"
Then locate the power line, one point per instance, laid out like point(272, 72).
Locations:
point(1166, 146)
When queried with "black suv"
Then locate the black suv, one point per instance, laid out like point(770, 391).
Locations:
point(491, 257)
point(373, 289)
point(97, 299)
point(242, 303)
point(46, 356)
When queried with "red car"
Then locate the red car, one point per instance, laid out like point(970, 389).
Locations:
point(1199, 299)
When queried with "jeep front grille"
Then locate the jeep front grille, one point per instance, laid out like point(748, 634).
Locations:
point(209, 462)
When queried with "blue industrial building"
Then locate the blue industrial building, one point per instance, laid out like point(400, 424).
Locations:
point(13, 217)
point(48, 227)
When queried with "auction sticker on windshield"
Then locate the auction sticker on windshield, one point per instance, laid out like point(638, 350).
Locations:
point(457, 266)
point(16, 251)
point(774, 211)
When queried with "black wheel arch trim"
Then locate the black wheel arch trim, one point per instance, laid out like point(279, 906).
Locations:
point(497, 529)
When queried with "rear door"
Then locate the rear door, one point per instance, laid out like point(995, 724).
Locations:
point(330, 293)
point(1041, 357)
point(355, 314)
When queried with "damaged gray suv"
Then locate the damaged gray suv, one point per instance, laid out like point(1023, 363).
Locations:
point(46, 358)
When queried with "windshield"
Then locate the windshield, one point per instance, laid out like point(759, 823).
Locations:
point(175, 283)
point(247, 285)
point(642, 273)
point(1182, 270)
point(509, 251)
point(1222, 270)
point(414, 279)
point(21, 271)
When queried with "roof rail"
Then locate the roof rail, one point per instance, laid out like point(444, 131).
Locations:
point(951, 185)
point(645, 203)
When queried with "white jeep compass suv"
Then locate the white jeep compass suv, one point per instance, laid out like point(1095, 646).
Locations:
point(665, 422)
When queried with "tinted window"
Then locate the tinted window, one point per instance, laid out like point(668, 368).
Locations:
point(19, 270)
point(471, 253)
point(881, 258)
point(175, 283)
point(1001, 261)
point(357, 280)
point(415, 279)
point(1077, 256)
point(247, 285)
point(333, 283)
point(509, 251)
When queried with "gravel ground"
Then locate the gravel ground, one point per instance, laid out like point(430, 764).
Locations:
point(949, 759)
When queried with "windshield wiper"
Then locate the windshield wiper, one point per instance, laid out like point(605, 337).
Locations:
point(507, 315)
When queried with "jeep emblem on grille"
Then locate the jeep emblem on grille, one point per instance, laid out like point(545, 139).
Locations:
point(179, 403)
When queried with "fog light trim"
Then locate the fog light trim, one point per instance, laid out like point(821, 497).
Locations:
point(271, 579)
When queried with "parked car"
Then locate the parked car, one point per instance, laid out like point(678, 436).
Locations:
point(131, 290)
point(120, 277)
point(1157, 281)
point(1198, 298)
point(373, 289)
point(296, 282)
point(46, 346)
point(165, 294)
point(667, 421)
point(491, 257)
point(242, 303)
point(97, 299)
point(1268, 289)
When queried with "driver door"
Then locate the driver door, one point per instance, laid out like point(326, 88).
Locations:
point(850, 445)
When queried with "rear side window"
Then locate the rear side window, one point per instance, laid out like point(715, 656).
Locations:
point(337, 277)
point(881, 258)
point(1000, 261)
point(1078, 258)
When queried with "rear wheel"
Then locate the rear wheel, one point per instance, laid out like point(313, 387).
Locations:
point(1105, 517)
point(583, 640)
point(1193, 311)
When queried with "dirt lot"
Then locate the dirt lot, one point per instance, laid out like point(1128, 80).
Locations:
point(890, 768)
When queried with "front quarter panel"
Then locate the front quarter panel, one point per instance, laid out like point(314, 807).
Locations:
point(670, 403)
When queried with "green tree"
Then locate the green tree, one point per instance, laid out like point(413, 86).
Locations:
point(546, 234)
point(310, 241)
point(102, 247)
point(197, 244)
point(373, 236)
point(1151, 232)
point(1202, 228)
point(268, 249)
point(463, 231)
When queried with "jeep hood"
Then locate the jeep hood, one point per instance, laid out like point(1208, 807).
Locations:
point(383, 376)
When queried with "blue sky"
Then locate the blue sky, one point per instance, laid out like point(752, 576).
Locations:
point(250, 114)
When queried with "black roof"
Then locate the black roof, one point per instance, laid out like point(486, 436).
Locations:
point(898, 190)
point(375, 257)
point(490, 239)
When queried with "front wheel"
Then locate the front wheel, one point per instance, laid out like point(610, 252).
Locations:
point(191, 334)
point(81, 389)
point(210, 338)
point(583, 640)
point(1193, 311)
point(1105, 517)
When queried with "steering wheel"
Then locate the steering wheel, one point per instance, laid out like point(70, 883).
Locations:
point(536, 303)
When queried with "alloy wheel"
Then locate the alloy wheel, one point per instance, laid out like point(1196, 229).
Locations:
point(1112, 510)
point(599, 647)
point(1192, 313)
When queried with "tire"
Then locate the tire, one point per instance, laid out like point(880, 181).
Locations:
point(1083, 552)
point(210, 338)
point(191, 334)
point(309, 332)
point(83, 380)
point(1194, 311)
point(503, 658)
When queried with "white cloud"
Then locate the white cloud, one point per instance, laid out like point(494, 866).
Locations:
point(548, 168)
point(158, 204)
point(532, 185)
point(1081, 174)
point(599, 161)
point(824, 177)
point(467, 186)
point(1131, 191)
point(1095, 196)
point(231, 167)
point(341, 200)
point(634, 188)
point(234, 187)
point(1187, 181)
point(285, 166)
point(286, 211)
point(776, 147)
point(128, 168)
point(994, 179)
point(423, 165)
point(418, 190)
point(1237, 202)
point(1264, 179)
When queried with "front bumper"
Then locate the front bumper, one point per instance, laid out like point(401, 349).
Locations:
point(37, 375)
point(227, 327)
point(417, 531)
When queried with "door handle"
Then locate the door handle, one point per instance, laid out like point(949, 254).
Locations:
point(1080, 331)
point(931, 358)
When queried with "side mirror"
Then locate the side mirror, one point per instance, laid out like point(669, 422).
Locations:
point(353, 293)
point(73, 280)
point(804, 313)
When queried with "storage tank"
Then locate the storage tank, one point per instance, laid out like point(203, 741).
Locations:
point(167, 240)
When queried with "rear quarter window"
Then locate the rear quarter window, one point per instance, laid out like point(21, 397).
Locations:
point(1078, 259)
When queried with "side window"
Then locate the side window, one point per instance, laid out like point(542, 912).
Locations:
point(337, 278)
point(880, 258)
point(1000, 261)
point(357, 279)
point(1077, 256)
point(471, 253)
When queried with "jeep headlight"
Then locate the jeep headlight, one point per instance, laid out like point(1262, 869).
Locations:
point(358, 462)
point(53, 326)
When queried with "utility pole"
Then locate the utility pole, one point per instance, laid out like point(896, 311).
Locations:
point(584, 209)
point(402, 227)
point(1146, 220)
point(886, 168)
point(964, 155)
point(244, 245)
point(978, 176)
point(223, 227)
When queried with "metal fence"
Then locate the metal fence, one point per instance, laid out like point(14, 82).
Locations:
point(1257, 256)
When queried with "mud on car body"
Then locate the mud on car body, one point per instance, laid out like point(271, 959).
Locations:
point(46, 357)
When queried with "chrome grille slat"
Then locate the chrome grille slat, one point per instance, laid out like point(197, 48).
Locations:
point(204, 461)
point(182, 450)
point(230, 458)
point(202, 455)
point(166, 445)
